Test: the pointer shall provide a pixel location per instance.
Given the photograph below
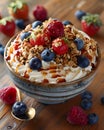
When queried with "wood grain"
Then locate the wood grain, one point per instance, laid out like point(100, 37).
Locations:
point(53, 117)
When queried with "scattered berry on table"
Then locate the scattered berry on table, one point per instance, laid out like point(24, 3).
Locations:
point(102, 100)
point(67, 22)
point(36, 23)
point(40, 13)
point(20, 23)
point(56, 29)
point(79, 43)
point(47, 55)
point(19, 9)
point(77, 116)
point(35, 63)
point(60, 46)
point(7, 26)
point(83, 61)
point(19, 108)
point(91, 24)
point(2, 51)
point(92, 118)
point(79, 14)
point(8, 95)
point(25, 35)
point(86, 104)
point(86, 95)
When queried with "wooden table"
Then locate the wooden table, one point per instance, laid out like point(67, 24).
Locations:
point(53, 117)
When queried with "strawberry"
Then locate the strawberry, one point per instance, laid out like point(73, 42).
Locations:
point(40, 39)
point(7, 26)
point(91, 24)
point(8, 95)
point(19, 9)
point(60, 46)
point(40, 13)
point(77, 116)
point(55, 28)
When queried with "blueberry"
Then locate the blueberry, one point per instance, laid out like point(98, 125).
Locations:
point(25, 35)
point(1, 45)
point(83, 61)
point(79, 43)
point(36, 23)
point(47, 55)
point(66, 22)
point(20, 23)
point(87, 95)
point(79, 14)
point(35, 63)
point(93, 118)
point(102, 100)
point(86, 104)
point(2, 51)
point(19, 108)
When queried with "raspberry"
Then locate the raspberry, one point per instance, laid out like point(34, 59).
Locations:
point(59, 46)
point(77, 116)
point(40, 13)
point(56, 29)
point(41, 39)
point(8, 95)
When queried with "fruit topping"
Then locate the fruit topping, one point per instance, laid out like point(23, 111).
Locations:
point(60, 46)
point(77, 116)
point(83, 61)
point(24, 35)
point(19, 108)
point(86, 104)
point(66, 22)
point(47, 55)
point(79, 14)
point(93, 118)
point(8, 95)
point(79, 43)
point(40, 13)
point(36, 23)
point(56, 29)
point(35, 63)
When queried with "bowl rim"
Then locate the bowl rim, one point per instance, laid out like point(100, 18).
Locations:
point(50, 84)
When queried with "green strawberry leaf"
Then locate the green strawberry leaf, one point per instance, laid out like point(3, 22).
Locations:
point(92, 19)
point(3, 21)
point(18, 4)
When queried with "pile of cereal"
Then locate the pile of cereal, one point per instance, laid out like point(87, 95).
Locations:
point(52, 52)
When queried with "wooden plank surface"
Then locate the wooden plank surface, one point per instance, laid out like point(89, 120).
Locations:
point(53, 117)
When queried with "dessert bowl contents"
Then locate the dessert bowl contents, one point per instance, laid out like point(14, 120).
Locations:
point(51, 52)
point(52, 61)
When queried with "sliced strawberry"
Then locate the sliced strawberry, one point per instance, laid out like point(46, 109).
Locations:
point(60, 46)
point(8, 95)
point(91, 24)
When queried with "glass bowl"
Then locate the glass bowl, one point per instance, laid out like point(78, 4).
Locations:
point(51, 93)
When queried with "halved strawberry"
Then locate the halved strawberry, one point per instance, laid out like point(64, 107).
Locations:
point(91, 24)
point(60, 46)
point(19, 9)
point(7, 26)
point(40, 39)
